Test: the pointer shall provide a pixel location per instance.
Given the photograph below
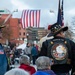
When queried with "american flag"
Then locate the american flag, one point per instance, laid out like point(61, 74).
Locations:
point(62, 14)
point(37, 18)
point(1, 52)
point(60, 18)
point(30, 18)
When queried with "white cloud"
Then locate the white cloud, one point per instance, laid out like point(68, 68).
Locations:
point(20, 5)
point(71, 12)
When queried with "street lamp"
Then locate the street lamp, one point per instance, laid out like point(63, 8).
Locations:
point(9, 15)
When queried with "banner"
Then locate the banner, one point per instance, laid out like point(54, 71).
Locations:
point(30, 18)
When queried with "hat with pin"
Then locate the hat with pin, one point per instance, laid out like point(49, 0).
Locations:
point(57, 28)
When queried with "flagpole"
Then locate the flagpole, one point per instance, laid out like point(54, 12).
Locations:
point(59, 18)
point(62, 13)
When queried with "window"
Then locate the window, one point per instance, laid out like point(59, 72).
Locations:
point(20, 33)
point(23, 33)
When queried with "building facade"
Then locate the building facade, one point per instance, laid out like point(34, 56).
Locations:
point(35, 34)
point(18, 34)
point(13, 26)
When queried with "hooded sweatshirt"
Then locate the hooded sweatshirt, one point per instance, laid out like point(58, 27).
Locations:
point(28, 68)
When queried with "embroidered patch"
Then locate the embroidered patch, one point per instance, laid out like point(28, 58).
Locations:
point(59, 51)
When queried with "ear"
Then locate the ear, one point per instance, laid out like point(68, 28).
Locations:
point(49, 67)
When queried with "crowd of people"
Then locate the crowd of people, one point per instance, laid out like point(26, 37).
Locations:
point(43, 67)
point(56, 56)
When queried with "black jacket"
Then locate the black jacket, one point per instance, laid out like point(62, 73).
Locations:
point(61, 67)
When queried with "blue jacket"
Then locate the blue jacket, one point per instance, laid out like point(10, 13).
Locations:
point(34, 51)
point(47, 72)
point(3, 61)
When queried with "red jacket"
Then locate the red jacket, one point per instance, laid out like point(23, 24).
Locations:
point(28, 68)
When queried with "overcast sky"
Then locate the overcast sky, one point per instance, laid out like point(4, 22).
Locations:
point(44, 5)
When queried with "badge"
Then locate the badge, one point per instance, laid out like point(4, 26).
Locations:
point(59, 51)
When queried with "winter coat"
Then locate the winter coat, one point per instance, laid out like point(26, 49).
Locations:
point(46, 72)
point(34, 51)
point(3, 61)
point(28, 68)
point(71, 56)
point(27, 50)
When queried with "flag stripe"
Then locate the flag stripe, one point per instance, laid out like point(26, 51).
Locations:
point(30, 18)
point(22, 19)
point(38, 18)
point(27, 18)
point(33, 18)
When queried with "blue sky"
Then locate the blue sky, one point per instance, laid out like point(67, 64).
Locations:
point(44, 5)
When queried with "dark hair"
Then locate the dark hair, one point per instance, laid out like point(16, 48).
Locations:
point(27, 44)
